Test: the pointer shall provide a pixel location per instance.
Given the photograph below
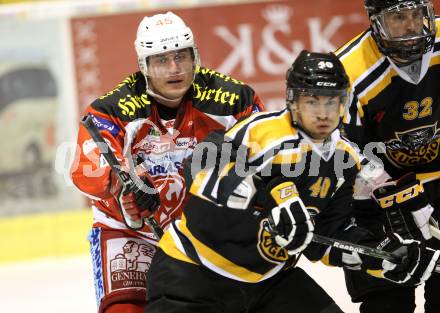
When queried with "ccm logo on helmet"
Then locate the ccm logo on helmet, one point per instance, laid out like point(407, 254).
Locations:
point(326, 84)
point(401, 196)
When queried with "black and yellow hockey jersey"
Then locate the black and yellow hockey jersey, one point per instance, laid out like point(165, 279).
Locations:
point(235, 242)
point(387, 106)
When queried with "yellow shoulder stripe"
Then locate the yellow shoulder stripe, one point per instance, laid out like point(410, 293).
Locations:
point(166, 243)
point(342, 145)
point(197, 182)
point(348, 43)
point(282, 158)
point(358, 61)
point(236, 128)
point(376, 89)
point(267, 131)
point(216, 259)
point(435, 60)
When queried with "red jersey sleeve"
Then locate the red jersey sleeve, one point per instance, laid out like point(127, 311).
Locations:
point(90, 172)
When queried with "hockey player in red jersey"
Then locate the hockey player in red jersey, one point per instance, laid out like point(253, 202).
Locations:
point(152, 120)
point(394, 69)
point(258, 195)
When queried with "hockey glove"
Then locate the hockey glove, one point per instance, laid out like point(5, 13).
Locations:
point(406, 207)
point(415, 266)
point(137, 203)
point(289, 222)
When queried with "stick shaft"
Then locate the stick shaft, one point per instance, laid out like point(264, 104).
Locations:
point(125, 180)
point(348, 246)
point(352, 247)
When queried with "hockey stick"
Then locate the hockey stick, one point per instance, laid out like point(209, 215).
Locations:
point(352, 247)
point(124, 178)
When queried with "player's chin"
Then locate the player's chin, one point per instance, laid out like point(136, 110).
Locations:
point(321, 134)
point(176, 91)
point(324, 130)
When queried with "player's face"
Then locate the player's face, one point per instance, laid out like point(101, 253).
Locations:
point(404, 23)
point(319, 115)
point(171, 74)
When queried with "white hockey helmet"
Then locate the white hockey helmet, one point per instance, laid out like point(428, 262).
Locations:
point(162, 33)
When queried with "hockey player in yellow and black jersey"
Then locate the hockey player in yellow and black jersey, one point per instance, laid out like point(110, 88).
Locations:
point(257, 195)
point(394, 71)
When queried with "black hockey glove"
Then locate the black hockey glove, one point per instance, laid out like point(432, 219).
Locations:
point(289, 222)
point(416, 264)
point(406, 207)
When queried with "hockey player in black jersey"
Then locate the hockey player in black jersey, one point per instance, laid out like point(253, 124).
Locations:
point(257, 195)
point(394, 71)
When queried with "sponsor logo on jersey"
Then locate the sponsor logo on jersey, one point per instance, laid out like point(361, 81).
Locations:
point(414, 147)
point(103, 124)
point(154, 132)
point(225, 78)
point(129, 261)
point(156, 147)
point(157, 143)
point(216, 95)
point(95, 251)
point(130, 104)
point(186, 142)
point(256, 109)
point(158, 169)
point(267, 246)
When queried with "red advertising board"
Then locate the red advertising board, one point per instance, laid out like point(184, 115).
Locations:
point(253, 42)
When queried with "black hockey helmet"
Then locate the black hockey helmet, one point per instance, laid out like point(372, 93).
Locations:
point(409, 47)
point(315, 74)
point(318, 74)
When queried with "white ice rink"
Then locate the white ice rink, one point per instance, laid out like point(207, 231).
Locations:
point(65, 286)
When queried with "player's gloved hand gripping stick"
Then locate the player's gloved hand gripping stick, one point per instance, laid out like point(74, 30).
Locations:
point(127, 183)
point(298, 218)
point(407, 209)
